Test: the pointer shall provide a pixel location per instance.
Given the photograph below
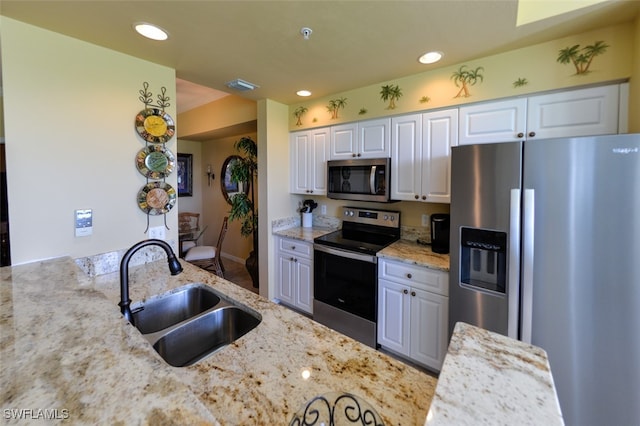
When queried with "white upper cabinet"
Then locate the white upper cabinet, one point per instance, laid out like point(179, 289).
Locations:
point(502, 121)
point(406, 157)
point(585, 112)
point(309, 152)
point(421, 156)
point(439, 135)
point(365, 139)
point(582, 112)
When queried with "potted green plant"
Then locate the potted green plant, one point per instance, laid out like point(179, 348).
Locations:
point(243, 208)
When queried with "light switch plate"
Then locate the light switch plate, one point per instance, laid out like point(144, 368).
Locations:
point(83, 222)
point(157, 232)
point(425, 220)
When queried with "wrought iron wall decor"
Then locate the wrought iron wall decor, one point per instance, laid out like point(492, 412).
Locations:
point(155, 161)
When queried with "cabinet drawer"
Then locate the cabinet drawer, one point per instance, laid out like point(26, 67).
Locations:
point(296, 247)
point(415, 276)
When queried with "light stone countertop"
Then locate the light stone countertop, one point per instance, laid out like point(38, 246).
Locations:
point(411, 252)
point(65, 346)
point(402, 250)
point(490, 379)
point(303, 234)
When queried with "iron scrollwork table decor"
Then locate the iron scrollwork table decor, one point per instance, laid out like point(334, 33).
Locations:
point(336, 409)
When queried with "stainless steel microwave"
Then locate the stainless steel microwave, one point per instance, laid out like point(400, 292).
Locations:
point(359, 180)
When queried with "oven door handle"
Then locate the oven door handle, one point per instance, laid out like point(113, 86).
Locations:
point(347, 254)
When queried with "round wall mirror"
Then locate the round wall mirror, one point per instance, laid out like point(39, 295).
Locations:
point(230, 189)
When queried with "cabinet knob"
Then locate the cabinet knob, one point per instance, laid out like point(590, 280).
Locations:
point(405, 291)
point(413, 293)
point(293, 247)
point(424, 197)
point(409, 276)
point(353, 155)
point(416, 196)
point(520, 135)
point(291, 259)
point(532, 134)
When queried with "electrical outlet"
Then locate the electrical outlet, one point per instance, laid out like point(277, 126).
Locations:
point(425, 220)
point(157, 232)
point(323, 209)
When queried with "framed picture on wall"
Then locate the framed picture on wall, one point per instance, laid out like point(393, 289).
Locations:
point(185, 175)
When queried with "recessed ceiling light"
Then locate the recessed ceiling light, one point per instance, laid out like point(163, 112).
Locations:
point(303, 93)
point(430, 57)
point(151, 31)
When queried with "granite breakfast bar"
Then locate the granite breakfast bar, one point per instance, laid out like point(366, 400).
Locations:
point(64, 346)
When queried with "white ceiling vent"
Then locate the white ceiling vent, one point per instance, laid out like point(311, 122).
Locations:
point(241, 85)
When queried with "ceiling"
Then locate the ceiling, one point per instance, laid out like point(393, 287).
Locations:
point(353, 43)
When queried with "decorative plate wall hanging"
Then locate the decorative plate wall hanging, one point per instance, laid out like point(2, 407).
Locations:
point(155, 125)
point(156, 198)
point(155, 162)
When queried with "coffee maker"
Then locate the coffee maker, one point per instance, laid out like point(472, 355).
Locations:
point(440, 233)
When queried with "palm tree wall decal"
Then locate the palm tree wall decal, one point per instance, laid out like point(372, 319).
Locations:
point(581, 58)
point(391, 93)
point(335, 105)
point(298, 113)
point(466, 78)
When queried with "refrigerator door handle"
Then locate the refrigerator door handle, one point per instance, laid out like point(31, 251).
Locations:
point(528, 225)
point(513, 284)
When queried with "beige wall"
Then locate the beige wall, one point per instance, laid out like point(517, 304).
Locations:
point(69, 109)
point(536, 63)
point(194, 202)
point(273, 174)
point(214, 206)
point(227, 112)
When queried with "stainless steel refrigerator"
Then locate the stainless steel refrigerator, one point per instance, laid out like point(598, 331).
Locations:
point(545, 248)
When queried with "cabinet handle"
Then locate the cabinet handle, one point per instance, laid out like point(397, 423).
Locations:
point(413, 293)
point(409, 276)
point(532, 134)
point(405, 291)
point(520, 135)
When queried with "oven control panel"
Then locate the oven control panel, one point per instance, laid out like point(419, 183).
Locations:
point(371, 216)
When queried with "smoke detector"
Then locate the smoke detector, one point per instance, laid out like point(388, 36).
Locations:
point(306, 32)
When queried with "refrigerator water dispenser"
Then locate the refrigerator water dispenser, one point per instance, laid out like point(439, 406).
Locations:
point(483, 259)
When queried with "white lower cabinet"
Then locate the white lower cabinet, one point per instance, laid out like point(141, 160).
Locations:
point(294, 273)
point(413, 312)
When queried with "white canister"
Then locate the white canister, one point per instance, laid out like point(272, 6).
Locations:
point(307, 220)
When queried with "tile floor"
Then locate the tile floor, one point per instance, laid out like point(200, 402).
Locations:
point(237, 273)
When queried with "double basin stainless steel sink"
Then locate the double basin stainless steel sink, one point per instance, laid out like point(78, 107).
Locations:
point(192, 322)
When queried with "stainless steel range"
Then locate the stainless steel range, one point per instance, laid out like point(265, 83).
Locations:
point(346, 271)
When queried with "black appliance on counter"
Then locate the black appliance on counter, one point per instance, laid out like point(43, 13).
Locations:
point(346, 272)
point(440, 233)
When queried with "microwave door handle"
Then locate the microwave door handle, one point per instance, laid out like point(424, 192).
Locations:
point(372, 180)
